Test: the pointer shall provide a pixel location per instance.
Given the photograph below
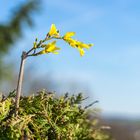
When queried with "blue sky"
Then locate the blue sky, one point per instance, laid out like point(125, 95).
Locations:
point(110, 71)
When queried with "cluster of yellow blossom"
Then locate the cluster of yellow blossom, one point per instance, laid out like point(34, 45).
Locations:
point(50, 48)
point(76, 44)
point(54, 34)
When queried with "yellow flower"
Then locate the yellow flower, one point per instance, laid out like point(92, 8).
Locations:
point(53, 31)
point(81, 45)
point(75, 43)
point(68, 39)
point(68, 35)
point(50, 48)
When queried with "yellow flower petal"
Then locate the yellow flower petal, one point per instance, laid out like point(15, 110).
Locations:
point(82, 52)
point(53, 30)
point(68, 35)
point(51, 47)
point(50, 44)
point(83, 45)
point(71, 42)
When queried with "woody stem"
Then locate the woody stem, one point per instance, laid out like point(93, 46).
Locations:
point(19, 84)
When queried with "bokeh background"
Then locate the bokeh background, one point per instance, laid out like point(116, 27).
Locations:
point(109, 72)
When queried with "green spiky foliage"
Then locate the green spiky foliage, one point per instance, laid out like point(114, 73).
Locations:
point(46, 117)
point(11, 31)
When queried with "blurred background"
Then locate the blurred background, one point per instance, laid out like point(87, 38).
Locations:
point(109, 72)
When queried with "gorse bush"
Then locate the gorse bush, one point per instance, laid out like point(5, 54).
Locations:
point(46, 117)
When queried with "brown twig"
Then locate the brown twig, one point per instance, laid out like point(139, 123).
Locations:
point(19, 84)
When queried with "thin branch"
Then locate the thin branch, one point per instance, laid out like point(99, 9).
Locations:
point(91, 104)
point(19, 84)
